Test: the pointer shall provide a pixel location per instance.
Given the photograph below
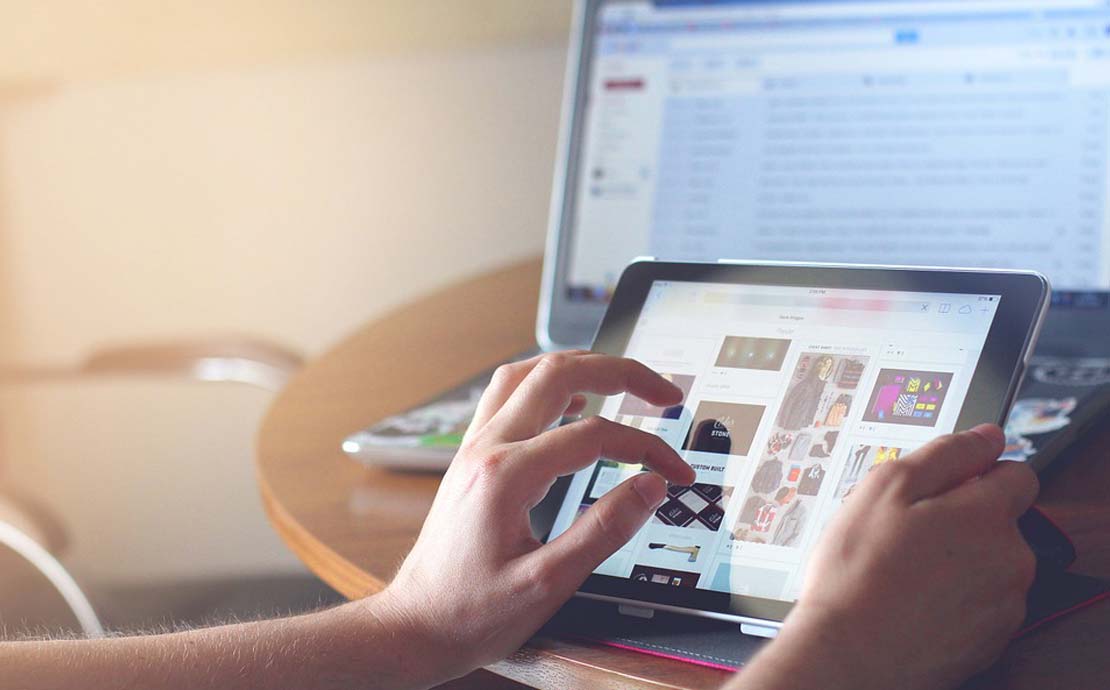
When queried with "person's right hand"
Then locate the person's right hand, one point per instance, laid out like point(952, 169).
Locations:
point(919, 581)
point(477, 583)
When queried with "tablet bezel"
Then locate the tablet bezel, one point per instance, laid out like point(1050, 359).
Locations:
point(995, 381)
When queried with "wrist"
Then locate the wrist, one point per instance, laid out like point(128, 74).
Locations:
point(825, 648)
point(811, 651)
point(394, 644)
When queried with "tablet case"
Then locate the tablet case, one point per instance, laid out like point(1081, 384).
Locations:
point(1066, 392)
point(717, 644)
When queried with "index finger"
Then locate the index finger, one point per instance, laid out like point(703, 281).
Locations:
point(574, 446)
point(548, 388)
point(504, 381)
point(947, 462)
point(1010, 486)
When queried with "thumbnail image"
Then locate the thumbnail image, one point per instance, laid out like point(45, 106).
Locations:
point(777, 519)
point(632, 406)
point(749, 580)
point(686, 553)
point(860, 461)
point(793, 463)
point(765, 354)
point(663, 576)
point(724, 428)
point(908, 397)
point(700, 506)
point(607, 474)
point(821, 391)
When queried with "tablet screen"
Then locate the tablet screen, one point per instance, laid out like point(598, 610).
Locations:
point(793, 395)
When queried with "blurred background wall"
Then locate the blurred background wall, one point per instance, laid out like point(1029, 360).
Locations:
point(282, 169)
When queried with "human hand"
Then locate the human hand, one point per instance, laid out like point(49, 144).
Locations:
point(920, 579)
point(477, 583)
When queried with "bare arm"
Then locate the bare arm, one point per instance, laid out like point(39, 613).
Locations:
point(474, 588)
point(917, 583)
point(364, 644)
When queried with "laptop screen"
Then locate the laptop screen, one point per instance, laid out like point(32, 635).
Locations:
point(940, 132)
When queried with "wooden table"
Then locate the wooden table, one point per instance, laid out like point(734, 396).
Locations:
point(352, 526)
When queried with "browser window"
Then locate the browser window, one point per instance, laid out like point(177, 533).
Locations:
point(792, 395)
point(917, 133)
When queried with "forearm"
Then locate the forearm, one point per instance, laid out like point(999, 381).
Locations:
point(811, 652)
point(359, 645)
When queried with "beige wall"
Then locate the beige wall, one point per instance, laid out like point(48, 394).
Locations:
point(294, 202)
point(291, 198)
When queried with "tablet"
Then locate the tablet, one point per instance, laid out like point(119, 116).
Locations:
point(798, 380)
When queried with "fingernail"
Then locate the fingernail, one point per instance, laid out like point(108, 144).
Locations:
point(651, 488)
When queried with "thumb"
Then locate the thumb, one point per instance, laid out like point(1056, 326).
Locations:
point(605, 527)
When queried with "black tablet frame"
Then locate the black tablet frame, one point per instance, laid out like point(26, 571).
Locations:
point(1024, 301)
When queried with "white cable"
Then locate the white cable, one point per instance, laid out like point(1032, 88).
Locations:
point(50, 567)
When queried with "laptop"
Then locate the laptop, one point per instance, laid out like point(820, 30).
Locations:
point(970, 133)
point(939, 132)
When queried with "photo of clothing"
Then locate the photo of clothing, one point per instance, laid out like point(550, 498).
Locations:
point(790, 525)
point(779, 442)
point(908, 397)
point(785, 495)
point(856, 465)
point(825, 448)
point(799, 407)
point(764, 516)
point(768, 477)
point(862, 458)
point(800, 447)
point(817, 397)
point(886, 454)
point(838, 411)
point(747, 513)
point(849, 374)
point(811, 480)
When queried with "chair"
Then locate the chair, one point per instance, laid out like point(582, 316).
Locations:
point(29, 531)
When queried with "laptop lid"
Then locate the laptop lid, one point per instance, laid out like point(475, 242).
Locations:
point(916, 132)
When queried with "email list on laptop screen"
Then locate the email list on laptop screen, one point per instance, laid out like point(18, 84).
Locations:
point(947, 132)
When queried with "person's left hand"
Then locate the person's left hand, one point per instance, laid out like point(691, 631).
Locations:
point(477, 584)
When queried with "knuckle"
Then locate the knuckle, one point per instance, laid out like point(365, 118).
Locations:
point(488, 464)
point(960, 446)
point(505, 374)
point(896, 477)
point(556, 359)
point(952, 445)
point(595, 425)
point(552, 367)
point(885, 473)
point(538, 580)
point(609, 526)
point(470, 444)
point(970, 444)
